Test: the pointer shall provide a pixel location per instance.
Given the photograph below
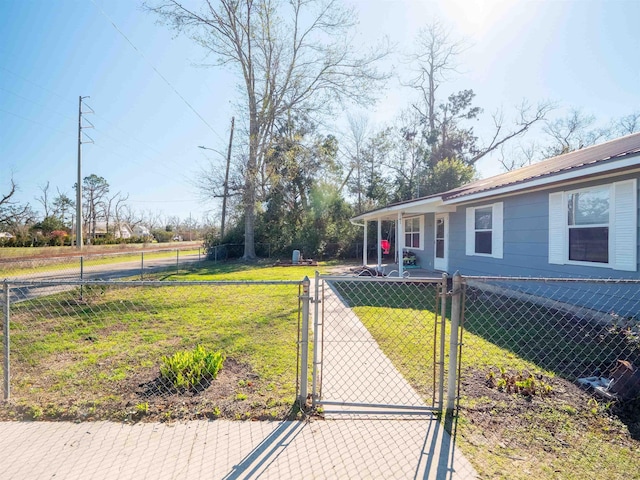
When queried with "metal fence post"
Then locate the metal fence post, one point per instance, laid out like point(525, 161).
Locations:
point(141, 265)
point(7, 343)
point(443, 323)
point(456, 309)
point(316, 337)
point(304, 342)
point(177, 261)
point(81, 274)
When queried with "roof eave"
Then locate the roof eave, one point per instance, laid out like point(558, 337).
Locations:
point(567, 175)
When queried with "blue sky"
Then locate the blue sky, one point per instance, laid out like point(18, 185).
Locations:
point(581, 54)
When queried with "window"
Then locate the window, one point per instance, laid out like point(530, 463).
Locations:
point(595, 226)
point(588, 223)
point(413, 232)
point(484, 230)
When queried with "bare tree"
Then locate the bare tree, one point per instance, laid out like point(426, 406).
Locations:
point(409, 156)
point(353, 147)
point(111, 205)
point(446, 126)
point(119, 208)
point(129, 216)
point(526, 117)
point(12, 212)
point(520, 156)
point(573, 132)
point(43, 199)
point(292, 56)
point(434, 62)
point(627, 124)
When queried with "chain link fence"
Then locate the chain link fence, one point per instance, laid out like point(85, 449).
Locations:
point(549, 381)
point(151, 351)
point(380, 345)
point(103, 265)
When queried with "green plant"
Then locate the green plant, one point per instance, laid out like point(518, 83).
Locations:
point(189, 370)
point(521, 383)
point(142, 408)
point(241, 396)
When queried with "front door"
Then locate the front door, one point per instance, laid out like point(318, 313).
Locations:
point(441, 243)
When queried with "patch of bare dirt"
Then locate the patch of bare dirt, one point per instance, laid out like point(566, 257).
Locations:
point(237, 393)
point(551, 417)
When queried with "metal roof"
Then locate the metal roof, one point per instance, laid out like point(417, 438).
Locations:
point(613, 149)
point(545, 170)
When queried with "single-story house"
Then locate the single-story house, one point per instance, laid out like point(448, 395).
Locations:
point(573, 215)
point(121, 230)
point(141, 231)
point(5, 236)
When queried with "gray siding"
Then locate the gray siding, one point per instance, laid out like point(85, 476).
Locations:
point(526, 230)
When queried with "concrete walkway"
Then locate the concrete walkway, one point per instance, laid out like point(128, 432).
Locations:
point(350, 449)
point(356, 374)
point(341, 447)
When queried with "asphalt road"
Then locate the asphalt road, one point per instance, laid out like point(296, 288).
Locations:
point(112, 271)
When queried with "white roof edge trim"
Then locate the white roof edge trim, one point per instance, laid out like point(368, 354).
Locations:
point(436, 201)
point(569, 175)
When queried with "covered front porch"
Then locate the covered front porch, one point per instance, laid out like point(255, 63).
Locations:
point(416, 243)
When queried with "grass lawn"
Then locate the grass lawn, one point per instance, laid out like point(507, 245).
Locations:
point(99, 357)
point(561, 433)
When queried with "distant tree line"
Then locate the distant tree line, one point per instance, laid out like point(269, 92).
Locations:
point(106, 218)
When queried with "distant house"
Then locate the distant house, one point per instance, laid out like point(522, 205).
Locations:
point(574, 215)
point(5, 236)
point(141, 231)
point(120, 230)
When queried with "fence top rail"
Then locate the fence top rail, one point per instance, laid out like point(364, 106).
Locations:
point(365, 278)
point(552, 279)
point(146, 283)
point(72, 257)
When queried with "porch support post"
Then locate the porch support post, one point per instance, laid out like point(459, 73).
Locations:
point(364, 246)
point(400, 246)
point(379, 244)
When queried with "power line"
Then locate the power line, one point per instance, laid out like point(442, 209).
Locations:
point(156, 70)
point(33, 121)
point(63, 115)
point(66, 100)
point(114, 125)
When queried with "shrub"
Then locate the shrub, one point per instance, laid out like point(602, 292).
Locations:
point(191, 370)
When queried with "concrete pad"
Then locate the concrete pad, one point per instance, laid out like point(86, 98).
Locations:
point(222, 449)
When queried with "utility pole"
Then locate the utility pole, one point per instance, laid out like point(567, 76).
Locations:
point(226, 182)
point(79, 240)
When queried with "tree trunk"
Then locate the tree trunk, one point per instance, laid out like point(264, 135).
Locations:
point(249, 194)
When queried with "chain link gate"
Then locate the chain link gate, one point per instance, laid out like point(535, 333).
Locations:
point(380, 345)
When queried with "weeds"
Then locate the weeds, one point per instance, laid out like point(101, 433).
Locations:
point(191, 370)
point(523, 383)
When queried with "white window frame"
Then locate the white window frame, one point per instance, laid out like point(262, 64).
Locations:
point(420, 232)
point(567, 194)
point(497, 221)
point(622, 224)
